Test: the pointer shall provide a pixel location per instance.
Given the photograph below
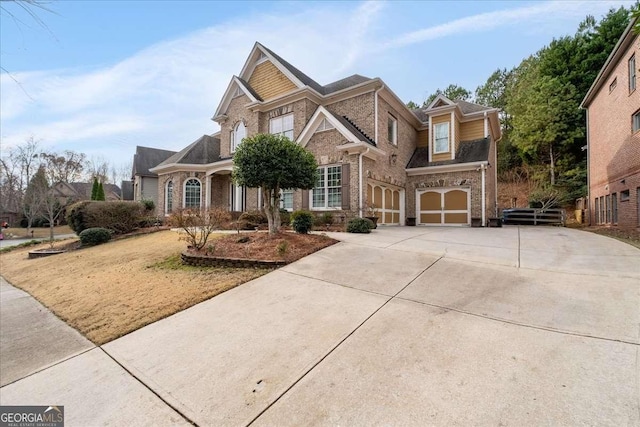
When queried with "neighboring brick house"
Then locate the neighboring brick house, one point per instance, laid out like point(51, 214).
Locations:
point(613, 136)
point(69, 192)
point(145, 182)
point(435, 165)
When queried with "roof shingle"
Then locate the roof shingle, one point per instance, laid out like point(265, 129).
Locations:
point(467, 152)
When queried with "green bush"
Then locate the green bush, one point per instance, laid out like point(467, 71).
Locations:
point(252, 219)
point(302, 221)
point(325, 218)
point(118, 216)
point(94, 236)
point(359, 225)
point(148, 204)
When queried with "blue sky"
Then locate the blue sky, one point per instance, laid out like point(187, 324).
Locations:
point(105, 76)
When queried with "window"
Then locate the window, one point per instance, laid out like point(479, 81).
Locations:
point(636, 121)
point(237, 135)
point(442, 138)
point(392, 130)
point(282, 125)
point(607, 203)
point(192, 193)
point(325, 125)
point(614, 208)
point(613, 84)
point(624, 195)
point(286, 200)
point(632, 73)
point(327, 193)
point(168, 204)
point(602, 219)
point(597, 211)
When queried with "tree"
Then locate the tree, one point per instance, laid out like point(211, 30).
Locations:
point(100, 193)
point(94, 189)
point(65, 167)
point(32, 204)
point(453, 92)
point(412, 105)
point(273, 163)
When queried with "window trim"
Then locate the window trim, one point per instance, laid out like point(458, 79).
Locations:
point(282, 200)
point(632, 73)
point(435, 138)
point(613, 84)
point(168, 211)
point(326, 187)
point(233, 146)
point(184, 192)
point(292, 130)
point(625, 195)
point(635, 122)
point(393, 137)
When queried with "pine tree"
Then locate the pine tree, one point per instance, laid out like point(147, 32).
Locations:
point(100, 193)
point(94, 189)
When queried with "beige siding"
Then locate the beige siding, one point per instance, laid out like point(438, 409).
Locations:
point(472, 130)
point(269, 82)
point(423, 139)
point(458, 137)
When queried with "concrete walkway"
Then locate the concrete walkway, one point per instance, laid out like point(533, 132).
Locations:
point(405, 326)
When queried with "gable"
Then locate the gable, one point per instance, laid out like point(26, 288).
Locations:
point(268, 81)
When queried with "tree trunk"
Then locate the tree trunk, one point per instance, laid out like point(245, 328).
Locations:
point(51, 233)
point(272, 208)
point(552, 165)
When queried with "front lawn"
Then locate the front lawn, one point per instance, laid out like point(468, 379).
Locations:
point(110, 290)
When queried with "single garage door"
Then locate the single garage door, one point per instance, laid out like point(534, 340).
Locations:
point(444, 206)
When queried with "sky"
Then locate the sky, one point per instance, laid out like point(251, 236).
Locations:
point(101, 77)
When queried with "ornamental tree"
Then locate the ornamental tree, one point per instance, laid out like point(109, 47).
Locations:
point(273, 163)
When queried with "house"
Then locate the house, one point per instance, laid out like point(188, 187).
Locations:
point(431, 166)
point(613, 136)
point(145, 182)
point(69, 192)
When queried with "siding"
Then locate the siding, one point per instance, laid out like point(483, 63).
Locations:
point(269, 82)
point(423, 138)
point(472, 130)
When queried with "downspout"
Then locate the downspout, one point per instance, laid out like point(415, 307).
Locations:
point(483, 202)
point(588, 204)
point(360, 180)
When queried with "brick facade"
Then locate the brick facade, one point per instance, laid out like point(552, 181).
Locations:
point(614, 148)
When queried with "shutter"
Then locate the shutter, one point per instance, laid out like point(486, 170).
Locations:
point(305, 199)
point(346, 186)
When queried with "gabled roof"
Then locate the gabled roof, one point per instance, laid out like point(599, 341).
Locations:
point(465, 107)
point(202, 151)
point(439, 100)
point(342, 124)
point(470, 108)
point(302, 77)
point(467, 152)
point(228, 94)
point(623, 43)
point(83, 189)
point(146, 158)
point(345, 83)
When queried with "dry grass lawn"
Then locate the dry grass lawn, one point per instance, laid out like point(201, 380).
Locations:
point(110, 290)
point(40, 232)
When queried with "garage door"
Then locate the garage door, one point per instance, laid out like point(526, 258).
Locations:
point(443, 206)
point(387, 203)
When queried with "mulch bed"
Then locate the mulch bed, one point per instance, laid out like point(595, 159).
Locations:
point(287, 247)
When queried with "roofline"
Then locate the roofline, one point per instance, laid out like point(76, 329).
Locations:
point(307, 133)
point(615, 54)
point(454, 167)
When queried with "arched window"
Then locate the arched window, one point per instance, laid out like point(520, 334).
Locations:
point(238, 133)
point(192, 193)
point(168, 198)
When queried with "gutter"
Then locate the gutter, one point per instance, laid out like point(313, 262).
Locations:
point(483, 169)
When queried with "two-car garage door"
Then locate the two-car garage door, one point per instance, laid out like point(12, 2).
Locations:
point(443, 206)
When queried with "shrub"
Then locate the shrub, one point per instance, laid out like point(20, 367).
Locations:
point(118, 216)
point(302, 221)
point(285, 217)
point(94, 236)
point(252, 219)
point(148, 204)
point(324, 219)
point(359, 225)
point(197, 224)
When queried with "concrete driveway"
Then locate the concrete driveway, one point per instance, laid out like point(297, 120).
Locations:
point(405, 326)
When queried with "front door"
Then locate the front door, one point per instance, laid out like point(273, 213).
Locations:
point(443, 206)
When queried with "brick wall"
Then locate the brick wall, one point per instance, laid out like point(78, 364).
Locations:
point(614, 150)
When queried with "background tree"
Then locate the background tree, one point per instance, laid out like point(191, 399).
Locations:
point(273, 163)
point(412, 105)
point(94, 189)
point(33, 202)
point(453, 92)
point(66, 167)
point(100, 193)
